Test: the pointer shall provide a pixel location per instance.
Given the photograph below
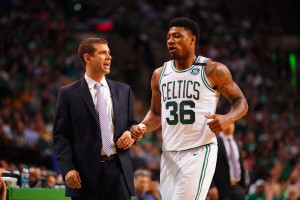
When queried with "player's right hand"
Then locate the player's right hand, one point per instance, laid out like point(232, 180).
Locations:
point(137, 132)
point(73, 179)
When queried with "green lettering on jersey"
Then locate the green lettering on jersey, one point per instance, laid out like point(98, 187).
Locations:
point(168, 90)
point(179, 90)
point(183, 94)
point(163, 92)
point(187, 89)
point(174, 97)
point(196, 97)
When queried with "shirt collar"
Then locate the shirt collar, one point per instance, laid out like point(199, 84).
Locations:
point(91, 83)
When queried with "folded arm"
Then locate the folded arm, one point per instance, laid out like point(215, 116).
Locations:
point(221, 79)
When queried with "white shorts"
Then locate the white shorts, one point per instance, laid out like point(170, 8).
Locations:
point(187, 175)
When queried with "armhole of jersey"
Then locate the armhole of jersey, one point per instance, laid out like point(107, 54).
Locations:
point(204, 78)
point(161, 74)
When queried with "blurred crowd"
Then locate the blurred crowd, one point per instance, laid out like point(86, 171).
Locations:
point(38, 54)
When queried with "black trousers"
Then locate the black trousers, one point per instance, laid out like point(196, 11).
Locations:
point(236, 192)
point(112, 184)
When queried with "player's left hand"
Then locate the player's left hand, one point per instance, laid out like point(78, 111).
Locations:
point(218, 123)
point(125, 141)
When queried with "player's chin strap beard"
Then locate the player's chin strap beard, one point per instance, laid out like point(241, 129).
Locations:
point(175, 57)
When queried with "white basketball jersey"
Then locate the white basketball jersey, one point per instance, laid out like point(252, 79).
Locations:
point(186, 96)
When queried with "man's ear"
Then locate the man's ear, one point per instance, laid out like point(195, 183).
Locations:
point(193, 40)
point(86, 58)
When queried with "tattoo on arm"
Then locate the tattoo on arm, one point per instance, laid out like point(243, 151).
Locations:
point(231, 91)
point(224, 78)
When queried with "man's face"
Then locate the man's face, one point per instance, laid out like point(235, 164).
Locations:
point(100, 61)
point(180, 42)
point(142, 184)
point(34, 176)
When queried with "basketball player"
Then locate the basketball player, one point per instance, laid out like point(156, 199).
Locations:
point(185, 92)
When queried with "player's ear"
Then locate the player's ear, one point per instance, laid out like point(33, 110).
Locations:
point(193, 40)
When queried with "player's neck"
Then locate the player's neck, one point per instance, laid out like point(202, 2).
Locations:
point(185, 63)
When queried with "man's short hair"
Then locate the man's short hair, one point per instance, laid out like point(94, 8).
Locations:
point(142, 172)
point(86, 46)
point(187, 24)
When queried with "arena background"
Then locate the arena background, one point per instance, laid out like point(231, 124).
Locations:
point(258, 41)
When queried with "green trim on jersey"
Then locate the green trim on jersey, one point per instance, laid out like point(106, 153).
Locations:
point(203, 171)
point(162, 73)
point(204, 78)
point(183, 70)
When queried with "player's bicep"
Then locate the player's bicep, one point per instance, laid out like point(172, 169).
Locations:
point(225, 85)
point(156, 95)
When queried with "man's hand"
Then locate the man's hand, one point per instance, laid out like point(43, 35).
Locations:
point(73, 179)
point(218, 123)
point(137, 132)
point(213, 193)
point(2, 189)
point(125, 141)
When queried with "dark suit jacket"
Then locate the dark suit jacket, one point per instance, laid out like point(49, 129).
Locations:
point(77, 136)
point(221, 177)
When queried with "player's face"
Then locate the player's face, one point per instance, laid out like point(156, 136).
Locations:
point(100, 61)
point(180, 42)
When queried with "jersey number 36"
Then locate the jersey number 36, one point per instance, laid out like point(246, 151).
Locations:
point(185, 116)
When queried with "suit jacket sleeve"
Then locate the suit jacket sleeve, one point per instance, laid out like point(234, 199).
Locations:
point(132, 121)
point(62, 133)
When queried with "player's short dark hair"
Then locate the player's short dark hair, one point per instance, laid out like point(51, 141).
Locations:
point(86, 46)
point(187, 24)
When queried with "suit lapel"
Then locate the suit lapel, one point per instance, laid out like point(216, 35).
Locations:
point(114, 97)
point(85, 93)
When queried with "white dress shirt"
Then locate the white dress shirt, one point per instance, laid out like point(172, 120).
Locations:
point(107, 95)
point(236, 153)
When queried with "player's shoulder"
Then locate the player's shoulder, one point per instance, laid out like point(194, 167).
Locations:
point(158, 70)
point(213, 67)
point(156, 76)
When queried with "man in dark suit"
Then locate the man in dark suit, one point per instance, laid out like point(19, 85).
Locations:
point(91, 137)
point(229, 177)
